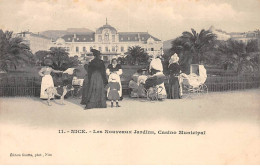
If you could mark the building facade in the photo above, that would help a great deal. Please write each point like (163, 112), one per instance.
(246, 36)
(243, 37)
(109, 42)
(36, 42)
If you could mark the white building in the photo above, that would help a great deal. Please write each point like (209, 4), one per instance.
(245, 37)
(36, 42)
(109, 42)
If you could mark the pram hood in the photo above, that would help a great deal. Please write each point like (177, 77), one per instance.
(194, 79)
(154, 80)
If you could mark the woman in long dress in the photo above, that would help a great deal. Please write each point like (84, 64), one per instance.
(174, 72)
(47, 80)
(117, 69)
(95, 90)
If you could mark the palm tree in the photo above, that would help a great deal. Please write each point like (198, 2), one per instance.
(61, 59)
(13, 51)
(136, 55)
(195, 43)
(237, 54)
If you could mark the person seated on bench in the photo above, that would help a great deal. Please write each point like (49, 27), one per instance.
(138, 79)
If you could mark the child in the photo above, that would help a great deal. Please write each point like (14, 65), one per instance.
(113, 88)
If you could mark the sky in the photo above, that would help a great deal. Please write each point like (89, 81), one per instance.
(164, 19)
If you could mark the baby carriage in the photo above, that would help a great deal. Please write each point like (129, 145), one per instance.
(76, 83)
(193, 84)
(153, 88)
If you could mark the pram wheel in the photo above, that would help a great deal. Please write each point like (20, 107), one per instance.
(203, 89)
(153, 93)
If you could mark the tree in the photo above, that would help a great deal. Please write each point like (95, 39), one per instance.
(40, 55)
(13, 51)
(60, 57)
(195, 44)
(242, 57)
(252, 46)
(136, 55)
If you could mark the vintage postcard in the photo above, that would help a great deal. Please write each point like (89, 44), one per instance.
(129, 82)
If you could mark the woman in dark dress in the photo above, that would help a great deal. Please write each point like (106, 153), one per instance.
(94, 91)
(174, 72)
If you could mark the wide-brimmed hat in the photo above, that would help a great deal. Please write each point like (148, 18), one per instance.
(95, 52)
(48, 61)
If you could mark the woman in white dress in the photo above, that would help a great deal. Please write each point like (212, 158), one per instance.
(156, 70)
(47, 80)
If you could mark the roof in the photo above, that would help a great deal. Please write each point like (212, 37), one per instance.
(33, 34)
(106, 26)
(134, 36)
(89, 37)
(123, 37)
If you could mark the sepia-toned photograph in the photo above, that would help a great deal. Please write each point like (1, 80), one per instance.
(129, 82)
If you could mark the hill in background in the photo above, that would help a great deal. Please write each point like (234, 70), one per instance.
(167, 44)
(55, 34)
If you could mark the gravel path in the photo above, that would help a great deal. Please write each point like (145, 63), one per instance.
(228, 125)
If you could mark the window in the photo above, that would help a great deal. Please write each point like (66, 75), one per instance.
(84, 39)
(77, 49)
(113, 48)
(142, 38)
(91, 39)
(78, 39)
(122, 49)
(128, 38)
(68, 38)
(99, 38)
(135, 38)
(113, 38)
(152, 49)
(90, 48)
(122, 38)
(107, 37)
(84, 48)
(100, 49)
(106, 49)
